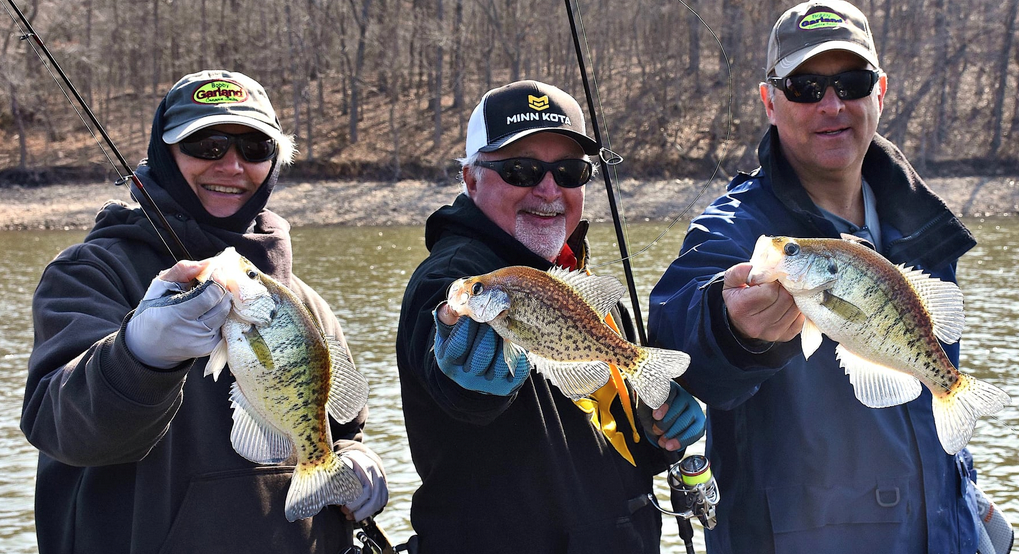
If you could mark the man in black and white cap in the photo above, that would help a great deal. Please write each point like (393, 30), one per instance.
(508, 463)
(803, 465)
(134, 442)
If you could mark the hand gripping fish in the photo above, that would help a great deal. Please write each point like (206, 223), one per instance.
(887, 320)
(555, 318)
(289, 376)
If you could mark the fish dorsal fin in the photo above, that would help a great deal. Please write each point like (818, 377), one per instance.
(252, 436)
(876, 385)
(601, 292)
(348, 389)
(810, 338)
(575, 379)
(942, 300)
(217, 361)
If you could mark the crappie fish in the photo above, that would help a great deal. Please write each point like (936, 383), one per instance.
(556, 319)
(887, 320)
(289, 376)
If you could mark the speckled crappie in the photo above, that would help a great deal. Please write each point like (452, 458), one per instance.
(887, 320)
(556, 319)
(288, 377)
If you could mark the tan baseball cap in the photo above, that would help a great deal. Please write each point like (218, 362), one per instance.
(811, 28)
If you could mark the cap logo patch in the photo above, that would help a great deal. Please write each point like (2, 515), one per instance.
(218, 92)
(537, 103)
(821, 20)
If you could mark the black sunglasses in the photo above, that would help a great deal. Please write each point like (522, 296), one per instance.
(212, 145)
(528, 172)
(808, 89)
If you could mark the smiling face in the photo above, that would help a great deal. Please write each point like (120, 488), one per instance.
(223, 186)
(827, 139)
(540, 217)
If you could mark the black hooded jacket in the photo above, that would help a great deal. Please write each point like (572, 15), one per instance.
(523, 473)
(138, 460)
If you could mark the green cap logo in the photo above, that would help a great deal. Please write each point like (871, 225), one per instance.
(220, 91)
(821, 20)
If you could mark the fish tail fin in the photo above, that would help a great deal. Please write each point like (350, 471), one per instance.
(321, 483)
(956, 412)
(654, 370)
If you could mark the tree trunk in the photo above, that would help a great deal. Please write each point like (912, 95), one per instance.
(693, 66)
(437, 85)
(155, 51)
(998, 114)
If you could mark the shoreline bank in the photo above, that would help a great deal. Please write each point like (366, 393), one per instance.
(379, 203)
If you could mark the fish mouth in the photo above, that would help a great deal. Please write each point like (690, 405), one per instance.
(456, 296)
(765, 262)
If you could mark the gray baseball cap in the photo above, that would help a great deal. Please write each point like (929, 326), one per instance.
(811, 28)
(217, 97)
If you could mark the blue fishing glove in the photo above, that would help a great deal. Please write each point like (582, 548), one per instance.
(684, 420)
(470, 353)
(172, 324)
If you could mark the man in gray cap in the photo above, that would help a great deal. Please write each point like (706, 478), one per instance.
(508, 463)
(802, 465)
(134, 444)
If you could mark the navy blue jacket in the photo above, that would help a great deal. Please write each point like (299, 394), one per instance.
(801, 464)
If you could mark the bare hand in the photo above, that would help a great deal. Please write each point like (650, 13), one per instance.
(764, 311)
(184, 271)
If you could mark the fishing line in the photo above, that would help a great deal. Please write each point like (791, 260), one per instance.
(25, 27)
(25, 35)
(725, 142)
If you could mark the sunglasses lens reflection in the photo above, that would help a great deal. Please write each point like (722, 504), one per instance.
(254, 147)
(848, 85)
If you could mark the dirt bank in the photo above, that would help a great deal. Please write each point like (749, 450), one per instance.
(73, 206)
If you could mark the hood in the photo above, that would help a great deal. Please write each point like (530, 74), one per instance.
(266, 241)
(169, 176)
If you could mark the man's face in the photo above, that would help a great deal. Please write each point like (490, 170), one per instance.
(540, 217)
(828, 138)
(224, 185)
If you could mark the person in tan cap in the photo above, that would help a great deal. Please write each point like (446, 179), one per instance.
(801, 464)
(134, 444)
(508, 462)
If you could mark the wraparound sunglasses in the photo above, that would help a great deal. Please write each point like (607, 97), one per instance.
(808, 89)
(212, 145)
(528, 172)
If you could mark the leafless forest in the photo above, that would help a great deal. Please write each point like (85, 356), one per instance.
(383, 88)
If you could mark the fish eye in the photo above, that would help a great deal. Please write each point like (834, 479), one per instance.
(252, 274)
(791, 249)
(832, 268)
(477, 288)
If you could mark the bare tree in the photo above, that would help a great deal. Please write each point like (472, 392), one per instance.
(997, 113)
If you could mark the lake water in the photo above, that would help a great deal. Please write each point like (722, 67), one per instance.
(362, 272)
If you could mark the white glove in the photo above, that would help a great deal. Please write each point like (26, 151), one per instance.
(172, 325)
(376, 491)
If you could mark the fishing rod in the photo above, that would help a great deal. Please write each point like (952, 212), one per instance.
(606, 158)
(29, 32)
(693, 489)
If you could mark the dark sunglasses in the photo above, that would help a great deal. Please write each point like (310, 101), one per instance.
(212, 145)
(528, 172)
(808, 89)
